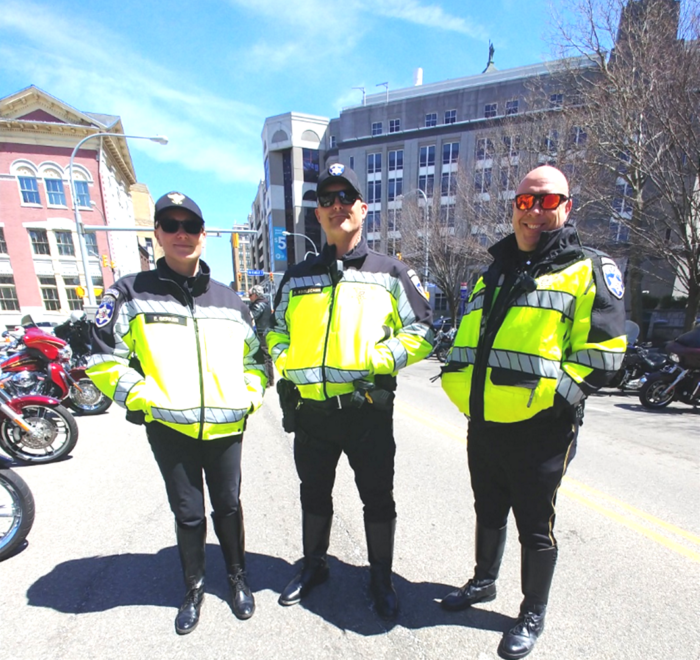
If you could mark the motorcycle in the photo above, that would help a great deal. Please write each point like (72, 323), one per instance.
(34, 427)
(681, 380)
(443, 344)
(84, 396)
(16, 510)
(639, 360)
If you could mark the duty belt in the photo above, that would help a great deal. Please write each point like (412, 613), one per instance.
(337, 402)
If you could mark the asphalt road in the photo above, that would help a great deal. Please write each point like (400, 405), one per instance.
(100, 576)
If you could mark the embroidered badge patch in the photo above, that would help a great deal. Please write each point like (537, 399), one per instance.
(613, 278)
(105, 312)
(336, 169)
(416, 283)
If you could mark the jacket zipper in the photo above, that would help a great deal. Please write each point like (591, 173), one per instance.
(328, 330)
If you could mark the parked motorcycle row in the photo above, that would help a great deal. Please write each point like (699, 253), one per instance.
(40, 375)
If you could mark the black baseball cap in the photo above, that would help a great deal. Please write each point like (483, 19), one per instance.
(177, 200)
(337, 173)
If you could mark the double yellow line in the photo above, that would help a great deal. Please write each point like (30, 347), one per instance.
(679, 540)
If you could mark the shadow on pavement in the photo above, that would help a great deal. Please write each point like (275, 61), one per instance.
(97, 584)
(658, 411)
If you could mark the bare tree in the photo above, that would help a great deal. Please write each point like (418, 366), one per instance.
(637, 101)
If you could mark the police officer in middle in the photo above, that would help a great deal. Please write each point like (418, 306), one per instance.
(345, 322)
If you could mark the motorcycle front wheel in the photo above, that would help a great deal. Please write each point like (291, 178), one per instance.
(652, 393)
(88, 400)
(16, 512)
(54, 434)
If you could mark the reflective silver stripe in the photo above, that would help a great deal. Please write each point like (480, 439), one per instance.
(529, 364)
(559, 301)
(568, 388)
(597, 359)
(398, 351)
(224, 415)
(305, 376)
(345, 375)
(176, 416)
(277, 350)
(310, 280)
(99, 358)
(124, 386)
(477, 302)
(462, 354)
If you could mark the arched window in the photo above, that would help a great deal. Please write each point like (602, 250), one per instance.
(28, 185)
(310, 136)
(53, 180)
(82, 191)
(280, 136)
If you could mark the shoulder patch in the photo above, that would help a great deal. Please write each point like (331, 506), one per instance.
(416, 282)
(105, 311)
(613, 277)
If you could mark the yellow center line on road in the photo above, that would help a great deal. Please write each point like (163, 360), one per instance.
(569, 488)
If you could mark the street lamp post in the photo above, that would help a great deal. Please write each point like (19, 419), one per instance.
(292, 233)
(160, 139)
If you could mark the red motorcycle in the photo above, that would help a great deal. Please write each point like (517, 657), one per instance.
(34, 427)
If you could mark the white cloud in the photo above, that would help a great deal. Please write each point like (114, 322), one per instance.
(75, 62)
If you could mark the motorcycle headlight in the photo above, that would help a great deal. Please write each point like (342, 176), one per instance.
(65, 354)
(674, 358)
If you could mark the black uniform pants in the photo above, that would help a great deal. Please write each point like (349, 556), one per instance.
(183, 461)
(520, 467)
(366, 437)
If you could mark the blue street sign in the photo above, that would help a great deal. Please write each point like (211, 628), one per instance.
(255, 273)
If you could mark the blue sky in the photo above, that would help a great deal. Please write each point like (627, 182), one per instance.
(207, 73)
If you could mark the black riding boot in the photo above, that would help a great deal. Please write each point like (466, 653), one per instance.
(316, 532)
(231, 534)
(380, 549)
(537, 570)
(490, 544)
(191, 543)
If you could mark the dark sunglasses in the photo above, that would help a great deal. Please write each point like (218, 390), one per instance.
(548, 201)
(344, 196)
(172, 226)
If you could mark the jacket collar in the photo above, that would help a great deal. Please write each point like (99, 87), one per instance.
(560, 246)
(196, 285)
(328, 256)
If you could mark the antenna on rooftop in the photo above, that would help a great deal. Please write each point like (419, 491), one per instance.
(362, 89)
(385, 84)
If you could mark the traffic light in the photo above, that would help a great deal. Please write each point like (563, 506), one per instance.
(236, 240)
(112, 264)
(272, 277)
(239, 275)
(399, 257)
(105, 260)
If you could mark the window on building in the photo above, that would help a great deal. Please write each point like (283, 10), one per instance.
(49, 293)
(374, 163)
(427, 156)
(447, 214)
(431, 119)
(334, 144)
(267, 174)
(352, 162)
(373, 222)
(619, 232)
(511, 145)
(394, 188)
(74, 301)
(450, 152)
(40, 241)
(484, 149)
(556, 100)
(482, 179)
(426, 182)
(310, 164)
(91, 244)
(447, 184)
(490, 109)
(509, 178)
(512, 107)
(374, 192)
(29, 188)
(396, 160)
(394, 125)
(8, 294)
(64, 242)
(450, 116)
(3, 244)
(377, 128)
(549, 143)
(55, 192)
(577, 136)
(622, 202)
(82, 192)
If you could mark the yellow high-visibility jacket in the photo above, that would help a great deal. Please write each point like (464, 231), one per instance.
(185, 355)
(337, 321)
(540, 332)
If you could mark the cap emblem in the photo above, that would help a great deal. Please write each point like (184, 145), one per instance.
(336, 169)
(176, 198)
